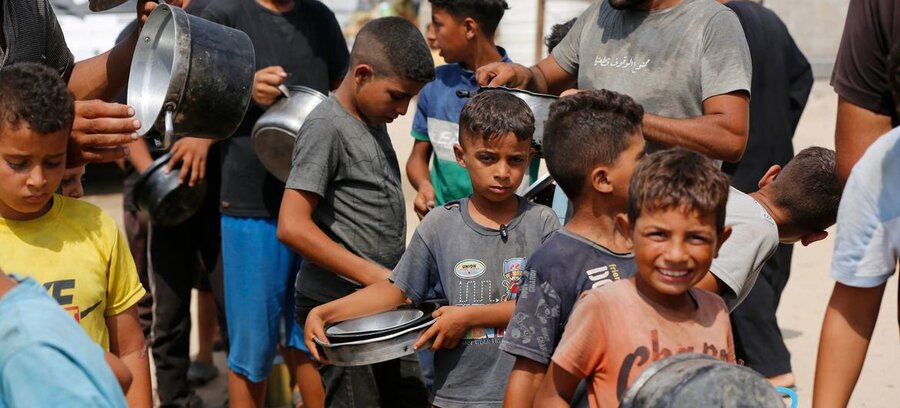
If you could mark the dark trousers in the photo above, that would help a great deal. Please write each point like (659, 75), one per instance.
(137, 228)
(394, 383)
(757, 337)
(177, 255)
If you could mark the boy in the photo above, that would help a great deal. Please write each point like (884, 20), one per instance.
(46, 360)
(70, 246)
(470, 252)
(592, 142)
(463, 31)
(343, 208)
(794, 204)
(676, 217)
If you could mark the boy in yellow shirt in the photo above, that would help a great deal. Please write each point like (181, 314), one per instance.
(71, 247)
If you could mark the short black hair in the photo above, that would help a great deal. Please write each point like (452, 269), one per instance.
(394, 48)
(34, 95)
(495, 113)
(487, 13)
(557, 33)
(678, 179)
(588, 129)
(809, 189)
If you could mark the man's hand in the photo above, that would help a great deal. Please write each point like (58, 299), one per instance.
(314, 328)
(265, 85)
(192, 152)
(503, 74)
(424, 201)
(100, 132)
(450, 325)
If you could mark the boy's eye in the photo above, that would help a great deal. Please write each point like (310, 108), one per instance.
(657, 235)
(53, 164)
(486, 158)
(698, 239)
(517, 160)
(16, 165)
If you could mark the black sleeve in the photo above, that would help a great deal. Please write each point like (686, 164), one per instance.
(801, 80)
(339, 55)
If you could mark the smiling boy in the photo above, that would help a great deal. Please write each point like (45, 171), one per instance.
(676, 217)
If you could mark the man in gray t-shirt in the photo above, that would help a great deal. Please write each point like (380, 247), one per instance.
(467, 264)
(685, 61)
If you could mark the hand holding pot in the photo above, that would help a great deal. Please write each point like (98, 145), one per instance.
(503, 74)
(100, 132)
(314, 329)
(449, 327)
(192, 153)
(265, 85)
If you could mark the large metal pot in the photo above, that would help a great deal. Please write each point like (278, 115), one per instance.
(276, 130)
(190, 76)
(164, 197)
(698, 380)
(539, 104)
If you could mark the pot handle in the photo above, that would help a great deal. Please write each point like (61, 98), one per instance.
(284, 91)
(169, 135)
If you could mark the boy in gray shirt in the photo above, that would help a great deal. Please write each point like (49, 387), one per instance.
(471, 252)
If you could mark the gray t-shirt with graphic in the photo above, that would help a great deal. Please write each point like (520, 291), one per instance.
(354, 169)
(452, 256)
(668, 60)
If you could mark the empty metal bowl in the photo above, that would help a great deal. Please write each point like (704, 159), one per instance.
(374, 323)
(164, 197)
(277, 129)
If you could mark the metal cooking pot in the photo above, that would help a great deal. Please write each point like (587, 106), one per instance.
(190, 76)
(698, 380)
(168, 202)
(539, 104)
(276, 130)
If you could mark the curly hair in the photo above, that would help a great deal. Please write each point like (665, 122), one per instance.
(487, 13)
(585, 130)
(34, 95)
(495, 113)
(394, 48)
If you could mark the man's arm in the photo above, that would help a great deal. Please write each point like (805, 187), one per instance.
(856, 129)
(417, 172)
(547, 76)
(846, 332)
(126, 341)
(297, 230)
(721, 133)
(524, 380)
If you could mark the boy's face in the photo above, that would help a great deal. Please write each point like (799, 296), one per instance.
(71, 182)
(496, 166)
(381, 99)
(31, 170)
(448, 34)
(674, 249)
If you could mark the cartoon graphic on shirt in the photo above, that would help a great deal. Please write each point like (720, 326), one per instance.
(512, 278)
(476, 286)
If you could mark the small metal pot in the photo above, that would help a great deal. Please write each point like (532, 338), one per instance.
(539, 104)
(168, 202)
(277, 129)
(190, 76)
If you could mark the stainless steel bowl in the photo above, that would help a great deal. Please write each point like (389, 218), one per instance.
(378, 322)
(374, 350)
(276, 130)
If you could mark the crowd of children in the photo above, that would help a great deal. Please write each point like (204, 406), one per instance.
(657, 250)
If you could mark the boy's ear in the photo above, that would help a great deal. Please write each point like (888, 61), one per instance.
(723, 236)
(623, 225)
(808, 239)
(770, 175)
(458, 152)
(471, 27)
(362, 73)
(599, 178)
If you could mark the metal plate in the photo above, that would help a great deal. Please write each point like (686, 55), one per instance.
(375, 350)
(375, 323)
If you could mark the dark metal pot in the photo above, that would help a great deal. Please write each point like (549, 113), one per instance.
(190, 76)
(168, 202)
(276, 130)
(539, 104)
(698, 380)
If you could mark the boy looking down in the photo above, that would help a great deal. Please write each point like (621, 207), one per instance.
(343, 207)
(72, 247)
(463, 31)
(470, 252)
(592, 142)
(676, 216)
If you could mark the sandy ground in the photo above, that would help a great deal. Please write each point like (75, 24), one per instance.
(802, 305)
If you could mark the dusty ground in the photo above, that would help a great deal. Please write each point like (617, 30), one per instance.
(803, 303)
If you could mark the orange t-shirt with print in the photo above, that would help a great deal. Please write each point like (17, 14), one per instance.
(614, 333)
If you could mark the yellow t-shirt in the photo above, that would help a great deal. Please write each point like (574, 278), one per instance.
(78, 253)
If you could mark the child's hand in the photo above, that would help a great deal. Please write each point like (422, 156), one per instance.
(450, 326)
(314, 328)
(424, 201)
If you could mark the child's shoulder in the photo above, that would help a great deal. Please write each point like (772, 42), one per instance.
(79, 210)
(708, 300)
(542, 213)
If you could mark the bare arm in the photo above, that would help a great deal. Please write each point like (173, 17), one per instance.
(523, 383)
(454, 321)
(547, 76)
(419, 177)
(846, 332)
(139, 155)
(856, 129)
(557, 388)
(126, 341)
(721, 133)
(297, 230)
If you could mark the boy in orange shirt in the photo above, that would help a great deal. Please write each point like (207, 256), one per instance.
(676, 218)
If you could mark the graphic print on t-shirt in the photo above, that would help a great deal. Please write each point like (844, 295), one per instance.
(475, 287)
(60, 290)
